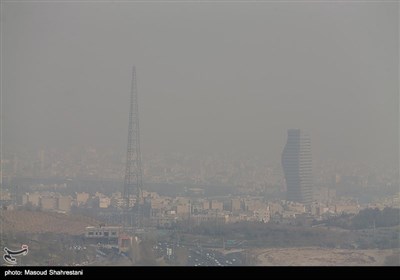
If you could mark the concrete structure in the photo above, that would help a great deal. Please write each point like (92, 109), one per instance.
(108, 232)
(82, 198)
(235, 204)
(64, 203)
(183, 210)
(125, 242)
(48, 203)
(295, 207)
(104, 202)
(217, 219)
(252, 205)
(297, 167)
(217, 205)
(206, 205)
(347, 208)
(117, 202)
(262, 215)
(33, 198)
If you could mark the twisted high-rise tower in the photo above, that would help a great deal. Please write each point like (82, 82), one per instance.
(297, 167)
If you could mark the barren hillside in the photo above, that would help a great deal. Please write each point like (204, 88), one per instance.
(314, 256)
(39, 222)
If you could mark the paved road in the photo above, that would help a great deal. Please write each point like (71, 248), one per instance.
(199, 256)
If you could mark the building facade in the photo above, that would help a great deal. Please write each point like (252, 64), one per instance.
(297, 167)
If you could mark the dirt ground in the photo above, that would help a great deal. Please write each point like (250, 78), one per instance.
(40, 222)
(314, 256)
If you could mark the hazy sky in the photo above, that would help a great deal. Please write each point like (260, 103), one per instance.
(211, 76)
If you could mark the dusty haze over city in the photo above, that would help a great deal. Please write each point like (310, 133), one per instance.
(269, 132)
(212, 77)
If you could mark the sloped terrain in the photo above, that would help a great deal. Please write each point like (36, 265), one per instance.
(315, 256)
(40, 222)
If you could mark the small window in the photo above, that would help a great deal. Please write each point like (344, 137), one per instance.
(90, 233)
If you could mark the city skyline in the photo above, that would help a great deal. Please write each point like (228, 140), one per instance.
(198, 94)
(269, 132)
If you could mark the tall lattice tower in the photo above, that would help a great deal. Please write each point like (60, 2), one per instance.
(133, 172)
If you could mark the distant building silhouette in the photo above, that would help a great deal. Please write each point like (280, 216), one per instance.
(297, 167)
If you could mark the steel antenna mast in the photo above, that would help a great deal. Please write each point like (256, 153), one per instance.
(133, 169)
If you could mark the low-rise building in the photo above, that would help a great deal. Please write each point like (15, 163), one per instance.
(48, 203)
(104, 202)
(108, 232)
(64, 203)
(81, 198)
(217, 205)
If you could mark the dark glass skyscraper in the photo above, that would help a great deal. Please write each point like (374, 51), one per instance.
(297, 167)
